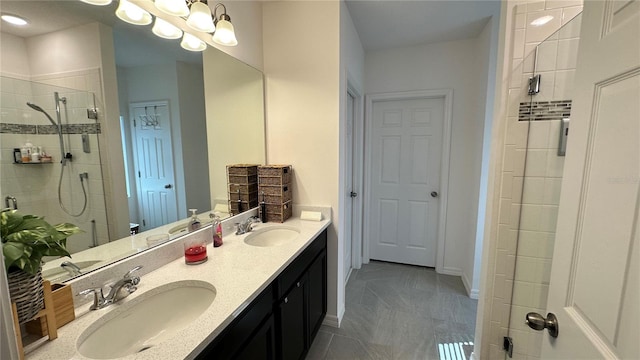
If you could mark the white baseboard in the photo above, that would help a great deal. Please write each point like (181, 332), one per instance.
(450, 271)
(331, 320)
(473, 293)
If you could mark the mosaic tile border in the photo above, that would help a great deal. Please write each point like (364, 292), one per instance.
(6, 128)
(544, 110)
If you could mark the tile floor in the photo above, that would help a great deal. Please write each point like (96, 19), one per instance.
(396, 311)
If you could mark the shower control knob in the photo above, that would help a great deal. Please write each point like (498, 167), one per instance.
(168, 186)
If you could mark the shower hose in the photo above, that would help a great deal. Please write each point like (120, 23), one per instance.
(84, 192)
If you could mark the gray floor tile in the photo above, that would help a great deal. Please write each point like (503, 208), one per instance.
(396, 311)
(346, 348)
(320, 346)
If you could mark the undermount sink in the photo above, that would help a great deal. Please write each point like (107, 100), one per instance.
(146, 321)
(272, 236)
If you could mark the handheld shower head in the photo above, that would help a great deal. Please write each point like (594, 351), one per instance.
(34, 107)
(38, 108)
(58, 126)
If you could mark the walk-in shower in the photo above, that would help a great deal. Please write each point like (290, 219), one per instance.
(542, 90)
(65, 156)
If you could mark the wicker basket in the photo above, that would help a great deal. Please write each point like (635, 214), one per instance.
(27, 292)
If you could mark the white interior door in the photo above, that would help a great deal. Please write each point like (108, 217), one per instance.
(348, 226)
(406, 151)
(154, 164)
(595, 278)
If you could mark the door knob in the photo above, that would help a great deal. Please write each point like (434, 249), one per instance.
(434, 194)
(353, 194)
(168, 186)
(538, 322)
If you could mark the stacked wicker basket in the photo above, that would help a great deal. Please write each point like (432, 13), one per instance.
(243, 187)
(274, 189)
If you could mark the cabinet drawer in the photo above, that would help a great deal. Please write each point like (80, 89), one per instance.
(291, 274)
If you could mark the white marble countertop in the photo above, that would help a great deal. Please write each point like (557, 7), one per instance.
(238, 271)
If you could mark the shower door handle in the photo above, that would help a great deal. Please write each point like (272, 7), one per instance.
(538, 322)
(168, 186)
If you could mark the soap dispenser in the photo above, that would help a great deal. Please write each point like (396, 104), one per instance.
(194, 223)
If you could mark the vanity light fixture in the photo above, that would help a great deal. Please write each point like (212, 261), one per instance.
(196, 14)
(14, 19)
(166, 30)
(225, 34)
(132, 13)
(200, 18)
(192, 43)
(97, 2)
(173, 7)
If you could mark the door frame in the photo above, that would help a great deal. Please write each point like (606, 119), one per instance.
(357, 176)
(447, 94)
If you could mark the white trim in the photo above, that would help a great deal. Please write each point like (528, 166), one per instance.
(450, 271)
(444, 170)
(357, 176)
(333, 321)
(472, 293)
(473, 355)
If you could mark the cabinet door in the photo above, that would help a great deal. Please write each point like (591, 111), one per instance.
(262, 345)
(293, 323)
(317, 285)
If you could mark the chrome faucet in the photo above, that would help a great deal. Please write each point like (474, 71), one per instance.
(247, 225)
(71, 268)
(119, 290)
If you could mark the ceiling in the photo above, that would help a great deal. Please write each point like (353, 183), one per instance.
(383, 24)
(135, 45)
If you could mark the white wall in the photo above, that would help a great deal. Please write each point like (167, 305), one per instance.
(194, 141)
(351, 74)
(234, 96)
(301, 64)
(14, 58)
(436, 66)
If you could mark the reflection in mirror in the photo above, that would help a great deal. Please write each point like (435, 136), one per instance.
(169, 121)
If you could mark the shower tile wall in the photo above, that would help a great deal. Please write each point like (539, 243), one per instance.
(35, 186)
(541, 180)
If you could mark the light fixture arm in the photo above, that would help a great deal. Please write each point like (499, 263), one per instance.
(223, 16)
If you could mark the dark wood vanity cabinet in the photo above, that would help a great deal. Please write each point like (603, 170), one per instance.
(283, 320)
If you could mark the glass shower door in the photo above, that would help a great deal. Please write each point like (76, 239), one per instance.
(543, 117)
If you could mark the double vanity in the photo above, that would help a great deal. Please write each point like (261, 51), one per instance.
(262, 295)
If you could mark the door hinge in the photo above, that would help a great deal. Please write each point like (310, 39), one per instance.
(507, 345)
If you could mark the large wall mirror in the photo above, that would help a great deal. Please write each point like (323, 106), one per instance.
(169, 121)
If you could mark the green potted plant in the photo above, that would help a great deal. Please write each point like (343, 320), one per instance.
(25, 240)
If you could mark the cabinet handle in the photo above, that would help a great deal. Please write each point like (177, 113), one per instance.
(298, 284)
(286, 300)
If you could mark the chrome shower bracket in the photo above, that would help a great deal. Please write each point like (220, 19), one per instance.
(92, 114)
(534, 85)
